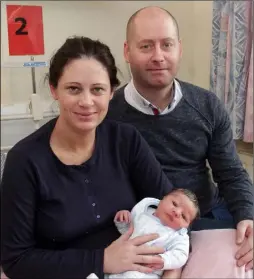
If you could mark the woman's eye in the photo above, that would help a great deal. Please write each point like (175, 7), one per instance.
(73, 89)
(174, 203)
(98, 90)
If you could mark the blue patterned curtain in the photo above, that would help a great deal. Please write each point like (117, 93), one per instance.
(232, 36)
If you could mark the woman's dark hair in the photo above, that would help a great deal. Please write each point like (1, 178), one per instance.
(78, 47)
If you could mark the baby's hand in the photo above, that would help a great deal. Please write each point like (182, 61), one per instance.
(123, 216)
(156, 266)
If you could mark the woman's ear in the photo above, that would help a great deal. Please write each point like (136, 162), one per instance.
(53, 92)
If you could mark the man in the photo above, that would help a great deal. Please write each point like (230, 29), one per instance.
(185, 125)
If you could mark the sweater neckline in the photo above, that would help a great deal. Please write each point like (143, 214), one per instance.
(150, 116)
(91, 161)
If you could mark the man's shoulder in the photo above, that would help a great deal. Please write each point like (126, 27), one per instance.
(118, 95)
(197, 93)
(202, 100)
(120, 90)
(117, 106)
(191, 92)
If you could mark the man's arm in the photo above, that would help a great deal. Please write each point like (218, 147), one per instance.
(228, 172)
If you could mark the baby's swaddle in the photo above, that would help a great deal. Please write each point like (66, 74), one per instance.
(175, 242)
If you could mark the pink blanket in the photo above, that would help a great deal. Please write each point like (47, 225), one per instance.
(212, 256)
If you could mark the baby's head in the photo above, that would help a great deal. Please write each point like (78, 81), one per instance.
(178, 209)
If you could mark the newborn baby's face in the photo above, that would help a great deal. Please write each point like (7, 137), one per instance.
(176, 211)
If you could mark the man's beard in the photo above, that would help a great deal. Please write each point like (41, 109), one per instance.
(145, 81)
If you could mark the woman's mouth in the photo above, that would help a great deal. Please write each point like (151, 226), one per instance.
(85, 115)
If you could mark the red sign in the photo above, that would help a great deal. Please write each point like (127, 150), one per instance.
(25, 30)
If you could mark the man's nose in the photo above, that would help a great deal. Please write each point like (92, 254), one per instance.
(158, 55)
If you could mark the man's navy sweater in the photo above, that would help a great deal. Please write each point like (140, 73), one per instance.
(197, 130)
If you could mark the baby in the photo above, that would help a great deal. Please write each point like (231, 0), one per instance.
(170, 218)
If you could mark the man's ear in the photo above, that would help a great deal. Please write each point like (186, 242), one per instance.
(180, 48)
(126, 51)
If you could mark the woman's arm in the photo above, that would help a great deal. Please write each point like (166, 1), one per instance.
(19, 256)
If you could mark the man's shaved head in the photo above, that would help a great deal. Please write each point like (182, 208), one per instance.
(153, 49)
(148, 10)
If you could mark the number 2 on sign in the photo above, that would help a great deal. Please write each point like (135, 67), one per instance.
(25, 30)
(22, 27)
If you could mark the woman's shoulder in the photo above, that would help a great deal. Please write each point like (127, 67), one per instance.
(111, 126)
(120, 133)
(34, 141)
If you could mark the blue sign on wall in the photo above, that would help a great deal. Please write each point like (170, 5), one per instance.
(35, 64)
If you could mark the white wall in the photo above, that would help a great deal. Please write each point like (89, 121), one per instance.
(104, 20)
(202, 42)
(61, 19)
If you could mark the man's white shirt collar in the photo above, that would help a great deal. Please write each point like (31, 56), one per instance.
(137, 101)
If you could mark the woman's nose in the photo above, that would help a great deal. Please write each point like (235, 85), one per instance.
(85, 99)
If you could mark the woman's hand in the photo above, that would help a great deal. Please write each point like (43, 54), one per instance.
(125, 254)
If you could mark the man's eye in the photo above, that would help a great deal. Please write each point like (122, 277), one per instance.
(184, 217)
(145, 46)
(174, 203)
(168, 44)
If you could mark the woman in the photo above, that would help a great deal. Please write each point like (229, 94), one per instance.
(63, 184)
